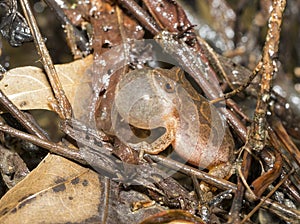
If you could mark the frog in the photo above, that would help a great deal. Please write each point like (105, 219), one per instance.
(150, 98)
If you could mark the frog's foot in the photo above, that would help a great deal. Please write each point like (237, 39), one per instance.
(222, 171)
(141, 147)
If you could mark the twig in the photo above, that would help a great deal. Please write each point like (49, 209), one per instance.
(81, 40)
(257, 135)
(141, 15)
(285, 139)
(274, 207)
(64, 106)
(265, 198)
(52, 147)
(238, 197)
(215, 62)
(241, 87)
(106, 200)
(30, 126)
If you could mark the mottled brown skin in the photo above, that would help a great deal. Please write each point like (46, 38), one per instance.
(174, 104)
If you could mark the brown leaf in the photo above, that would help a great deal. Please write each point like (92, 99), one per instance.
(61, 191)
(57, 191)
(29, 89)
(173, 17)
(173, 216)
(110, 25)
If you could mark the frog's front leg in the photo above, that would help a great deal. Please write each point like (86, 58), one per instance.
(161, 143)
(222, 171)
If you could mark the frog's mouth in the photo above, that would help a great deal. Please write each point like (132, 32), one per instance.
(147, 135)
(134, 135)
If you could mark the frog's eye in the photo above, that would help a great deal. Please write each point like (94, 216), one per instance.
(169, 87)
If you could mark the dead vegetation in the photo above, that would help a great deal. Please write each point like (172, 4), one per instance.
(105, 168)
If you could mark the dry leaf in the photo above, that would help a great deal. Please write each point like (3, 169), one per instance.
(57, 191)
(171, 216)
(27, 87)
(61, 191)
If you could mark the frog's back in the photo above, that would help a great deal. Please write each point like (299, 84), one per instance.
(214, 134)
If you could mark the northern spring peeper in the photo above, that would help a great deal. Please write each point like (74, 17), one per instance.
(150, 98)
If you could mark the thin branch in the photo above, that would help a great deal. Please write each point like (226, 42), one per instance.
(285, 139)
(239, 195)
(141, 15)
(279, 209)
(52, 147)
(268, 196)
(30, 126)
(80, 39)
(257, 134)
(258, 129)
(64, 106)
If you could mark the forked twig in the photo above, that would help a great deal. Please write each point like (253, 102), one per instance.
(258, 129)
(277, 208)
(268, 196)
(21, 117)
(241, 87)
